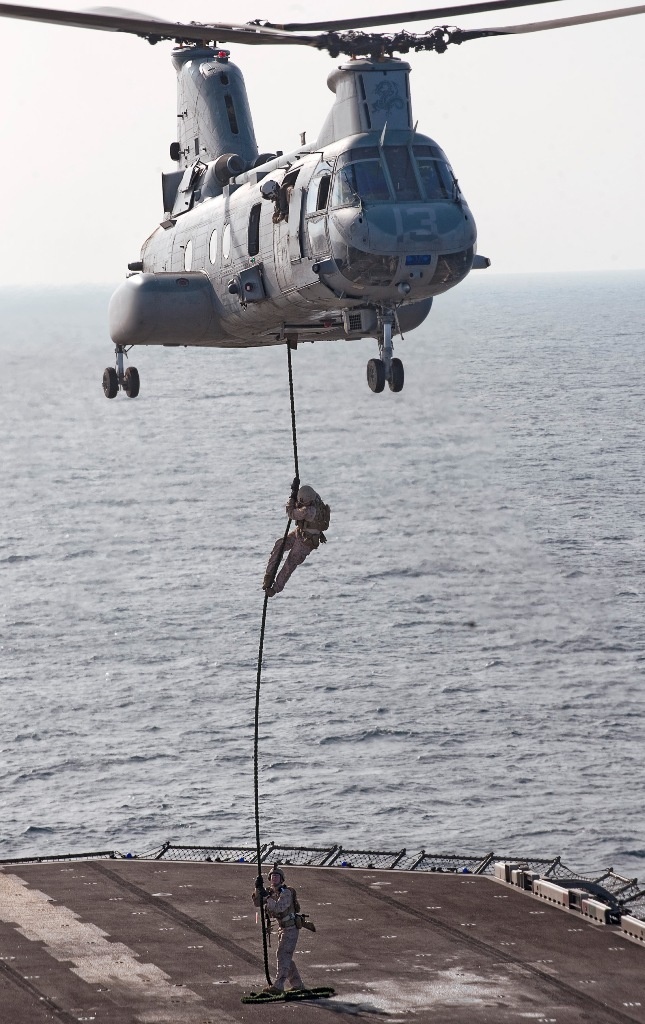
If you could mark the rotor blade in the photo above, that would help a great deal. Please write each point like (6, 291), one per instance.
(541, 26)
(405, 17)
(153, 29)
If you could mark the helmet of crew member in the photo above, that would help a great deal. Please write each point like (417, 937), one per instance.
(306, 495)
(277, 871)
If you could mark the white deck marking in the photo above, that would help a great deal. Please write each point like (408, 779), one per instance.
(95, 958)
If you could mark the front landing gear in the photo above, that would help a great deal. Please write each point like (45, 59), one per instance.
(113, 379)
(375, 375)
(386, 368)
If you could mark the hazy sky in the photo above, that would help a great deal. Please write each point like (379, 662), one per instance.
(545, 133)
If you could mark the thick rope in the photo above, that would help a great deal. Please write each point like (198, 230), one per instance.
(256, 787)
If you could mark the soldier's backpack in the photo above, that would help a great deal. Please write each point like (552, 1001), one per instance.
(323, 515)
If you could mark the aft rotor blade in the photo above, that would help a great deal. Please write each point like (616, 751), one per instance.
(405, 17)
(541, 26)
(153, 29)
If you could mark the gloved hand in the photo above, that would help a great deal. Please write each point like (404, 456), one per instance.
(295, 487)
(259, 888)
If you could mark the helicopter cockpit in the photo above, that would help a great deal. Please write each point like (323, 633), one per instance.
(393, 219)
(393, 173)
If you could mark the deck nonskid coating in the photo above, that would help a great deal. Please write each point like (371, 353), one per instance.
(168, 943)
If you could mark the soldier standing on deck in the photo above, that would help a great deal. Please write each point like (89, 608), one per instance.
(312, 517)
(281, 904)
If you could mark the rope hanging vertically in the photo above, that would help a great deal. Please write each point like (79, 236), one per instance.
(256, 788)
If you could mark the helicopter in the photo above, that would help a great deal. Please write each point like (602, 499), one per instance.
(346, 237)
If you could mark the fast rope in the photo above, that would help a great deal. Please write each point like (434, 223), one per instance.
(256, 793)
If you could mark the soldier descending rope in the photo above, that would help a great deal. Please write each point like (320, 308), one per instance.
(312, 517)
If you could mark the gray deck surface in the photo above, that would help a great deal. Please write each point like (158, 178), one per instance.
(151, 942)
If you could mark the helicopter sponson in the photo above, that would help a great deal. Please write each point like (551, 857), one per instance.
(348, 237)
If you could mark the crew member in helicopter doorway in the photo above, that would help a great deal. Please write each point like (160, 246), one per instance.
(311, 516)
(281, 904)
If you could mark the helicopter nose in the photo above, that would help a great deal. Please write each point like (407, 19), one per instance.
(420, 227)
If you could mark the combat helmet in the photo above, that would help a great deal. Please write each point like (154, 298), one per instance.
(306, 494)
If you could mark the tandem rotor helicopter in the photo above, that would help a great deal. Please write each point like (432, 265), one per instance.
(349, 236)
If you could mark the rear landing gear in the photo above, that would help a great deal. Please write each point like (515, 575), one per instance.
(386, 368)
(113, 379)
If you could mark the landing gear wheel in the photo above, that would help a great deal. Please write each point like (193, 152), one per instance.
(376, 375)
(396, 376)
(110, 382)
(131, 382)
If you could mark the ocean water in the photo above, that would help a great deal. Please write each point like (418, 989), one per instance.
(461, 668)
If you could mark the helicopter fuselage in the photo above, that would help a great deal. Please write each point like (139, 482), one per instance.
(320, 243)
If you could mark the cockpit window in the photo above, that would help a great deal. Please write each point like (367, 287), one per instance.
(417, 174)
(360, 181)
(401, 168)
(365, 153)
(433, 151)
(436, 176)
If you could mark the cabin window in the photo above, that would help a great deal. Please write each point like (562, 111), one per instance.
(323, 192)
(188, 256)
(212, 246)
(226, 242)
(254, 229)
(232, 117)
(318, 191)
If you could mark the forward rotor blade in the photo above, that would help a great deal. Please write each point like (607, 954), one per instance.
(153, 29)
(405, 17)
(542, 26)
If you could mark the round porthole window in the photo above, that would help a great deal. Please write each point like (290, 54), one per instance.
(212, 246)
(226, 242)
(188, 256)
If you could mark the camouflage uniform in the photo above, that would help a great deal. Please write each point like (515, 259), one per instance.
(280, 907)
(299, 543)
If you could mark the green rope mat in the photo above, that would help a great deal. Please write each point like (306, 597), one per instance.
(287, 997)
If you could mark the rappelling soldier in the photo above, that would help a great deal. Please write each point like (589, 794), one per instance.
(281, 905)
(311, 516)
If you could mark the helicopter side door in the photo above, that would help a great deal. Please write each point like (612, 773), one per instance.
(285, 227)
(291, 243)
(315, 236)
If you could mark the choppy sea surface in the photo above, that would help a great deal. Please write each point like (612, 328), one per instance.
(461, 668)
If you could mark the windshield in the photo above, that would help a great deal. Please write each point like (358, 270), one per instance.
(401, 168)
(438, 180)
(393, 173)
(360, 181)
